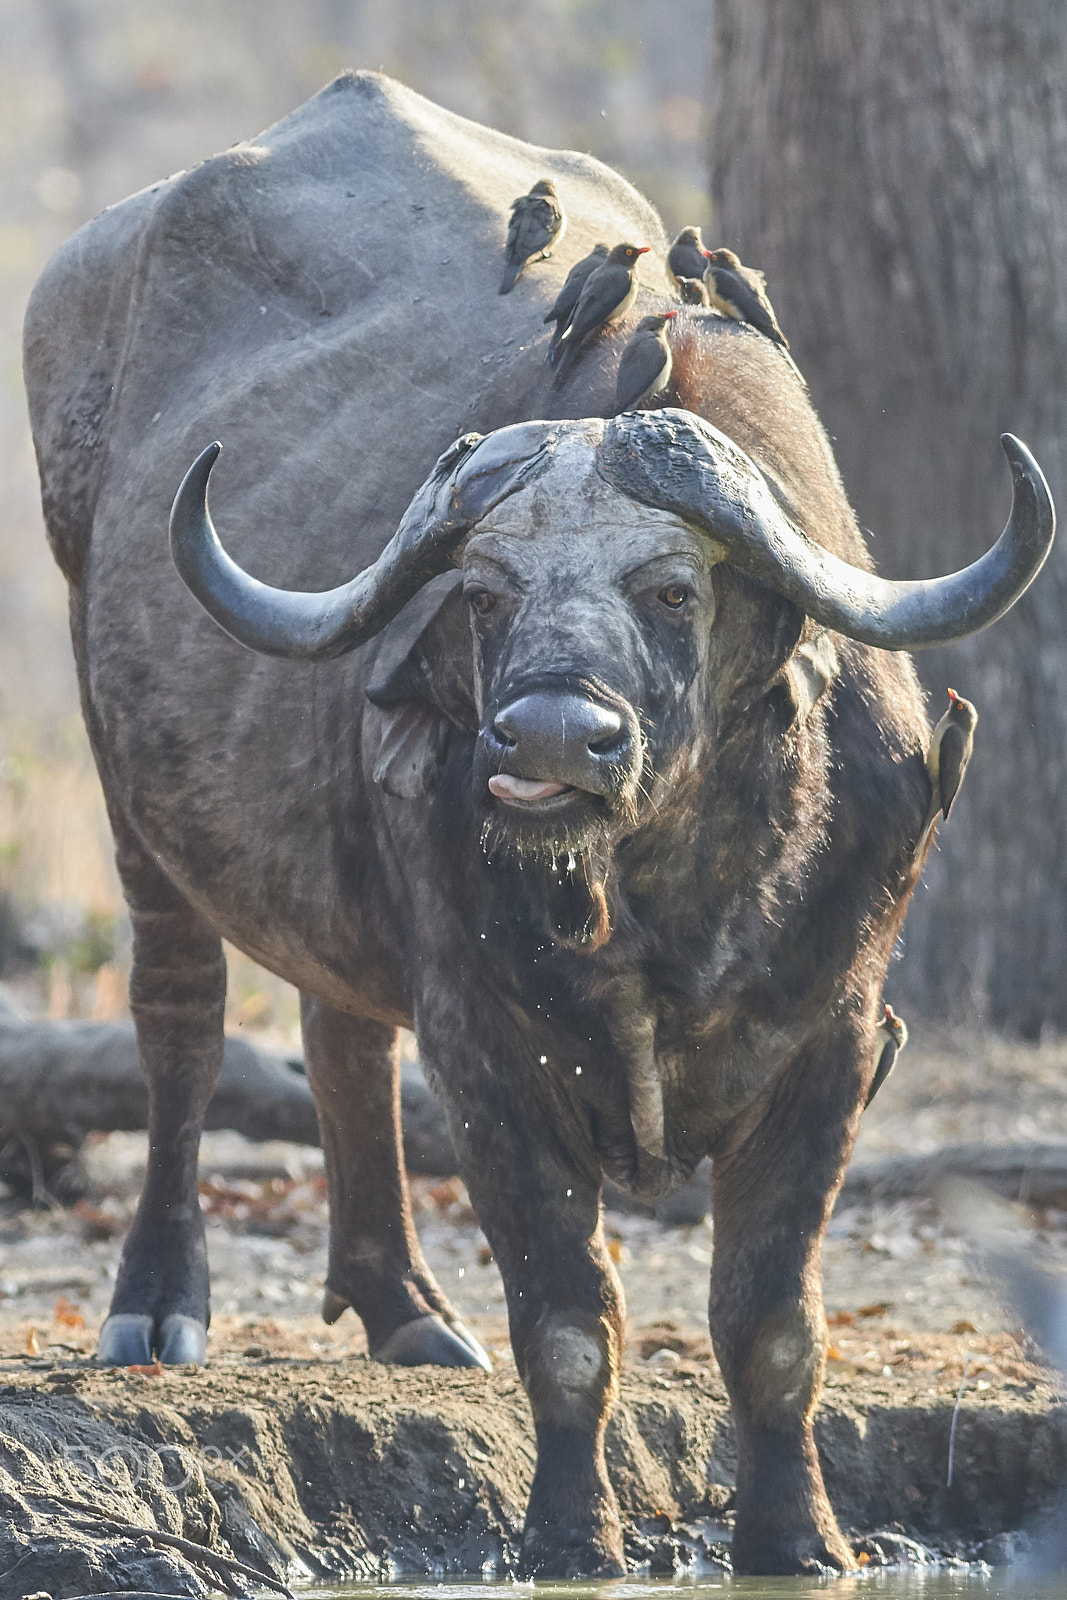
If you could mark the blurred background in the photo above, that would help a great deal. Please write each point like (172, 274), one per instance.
(900, 172)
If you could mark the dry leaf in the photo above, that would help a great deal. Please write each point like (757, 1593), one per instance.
(67, 1314)
(963, 1326)
(32, 1346)
(877, 1309)
(841, 1319)
(153, 1371)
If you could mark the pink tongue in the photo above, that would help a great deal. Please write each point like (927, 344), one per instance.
(506, 787)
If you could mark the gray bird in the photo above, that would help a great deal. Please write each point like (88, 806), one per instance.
(563, 310)
(537, 223)
(892, 1037)
(607, 295)
(687, 257)
(691, 292)
(951, 746)
(645, 368)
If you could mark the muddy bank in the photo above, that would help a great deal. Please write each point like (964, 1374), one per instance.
(322, 1468)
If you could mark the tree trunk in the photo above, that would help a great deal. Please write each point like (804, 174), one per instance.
(899, 170)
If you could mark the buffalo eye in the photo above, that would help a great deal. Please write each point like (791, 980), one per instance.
(481, 602)
(674, 596)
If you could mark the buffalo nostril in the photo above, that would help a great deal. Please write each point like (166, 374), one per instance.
(604, 742)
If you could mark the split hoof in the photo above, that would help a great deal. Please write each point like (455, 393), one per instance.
(131, 1339)
(432, 1342)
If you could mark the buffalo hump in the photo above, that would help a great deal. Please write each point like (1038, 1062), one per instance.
(321, 298)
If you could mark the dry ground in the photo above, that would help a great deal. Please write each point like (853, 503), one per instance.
(901, 1288)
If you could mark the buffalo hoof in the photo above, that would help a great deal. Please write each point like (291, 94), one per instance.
(129, 1339)
(432, 1342)
(550, 1553)
(810, 1555)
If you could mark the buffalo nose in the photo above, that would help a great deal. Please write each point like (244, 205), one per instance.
(549, 728)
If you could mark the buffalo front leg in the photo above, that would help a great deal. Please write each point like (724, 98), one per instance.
(160, 1305)
(375, 1263)
(771, 1201)
(565, 1308)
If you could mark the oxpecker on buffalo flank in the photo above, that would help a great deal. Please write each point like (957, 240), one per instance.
(951, 747)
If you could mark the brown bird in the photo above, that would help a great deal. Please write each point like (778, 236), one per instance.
(892, 1037)
(607, 294)
(563, 310)
(687, 257)
(691, 292)
(537, 223)
(740, 292)
(951, 746)
(645, 368)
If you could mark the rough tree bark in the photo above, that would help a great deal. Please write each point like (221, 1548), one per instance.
(899, 170)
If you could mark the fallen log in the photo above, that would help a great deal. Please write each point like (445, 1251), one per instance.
(1031, 1174)
(60, 1081)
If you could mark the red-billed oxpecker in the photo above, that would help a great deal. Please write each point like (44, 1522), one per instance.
(691, 292)
(537, 223)
(892, 1034)
(645, 368)
(606, 297)
(688, 257)
(740, 292)
(563, 309)
(951, 747)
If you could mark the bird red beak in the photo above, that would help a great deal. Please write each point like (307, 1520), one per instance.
(669, 314)
(706, 254)
(953, 696)
(645, 248)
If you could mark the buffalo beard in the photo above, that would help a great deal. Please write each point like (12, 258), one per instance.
(573, 874)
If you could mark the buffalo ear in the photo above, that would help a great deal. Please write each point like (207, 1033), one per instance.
(808, 673)
(422, 688)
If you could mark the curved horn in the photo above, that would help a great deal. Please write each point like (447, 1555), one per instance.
(676, 461)
(468, 480)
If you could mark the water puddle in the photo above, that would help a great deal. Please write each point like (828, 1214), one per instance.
(971, 1583)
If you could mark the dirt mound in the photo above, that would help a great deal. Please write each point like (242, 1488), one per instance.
(287, 1467)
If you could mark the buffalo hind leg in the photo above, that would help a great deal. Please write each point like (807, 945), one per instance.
(375, 1263)
(160, 1305)
(565, 1308)
(771, 1202)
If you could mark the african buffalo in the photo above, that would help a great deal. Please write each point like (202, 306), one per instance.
(600, 772)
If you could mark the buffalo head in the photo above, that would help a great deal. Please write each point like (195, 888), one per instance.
(588, 555)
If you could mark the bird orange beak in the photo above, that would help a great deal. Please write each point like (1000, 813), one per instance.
(645, 248)
(953, 696)
(669, 314)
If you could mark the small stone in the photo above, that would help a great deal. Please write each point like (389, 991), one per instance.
(255, 1352)
(663, 1358)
